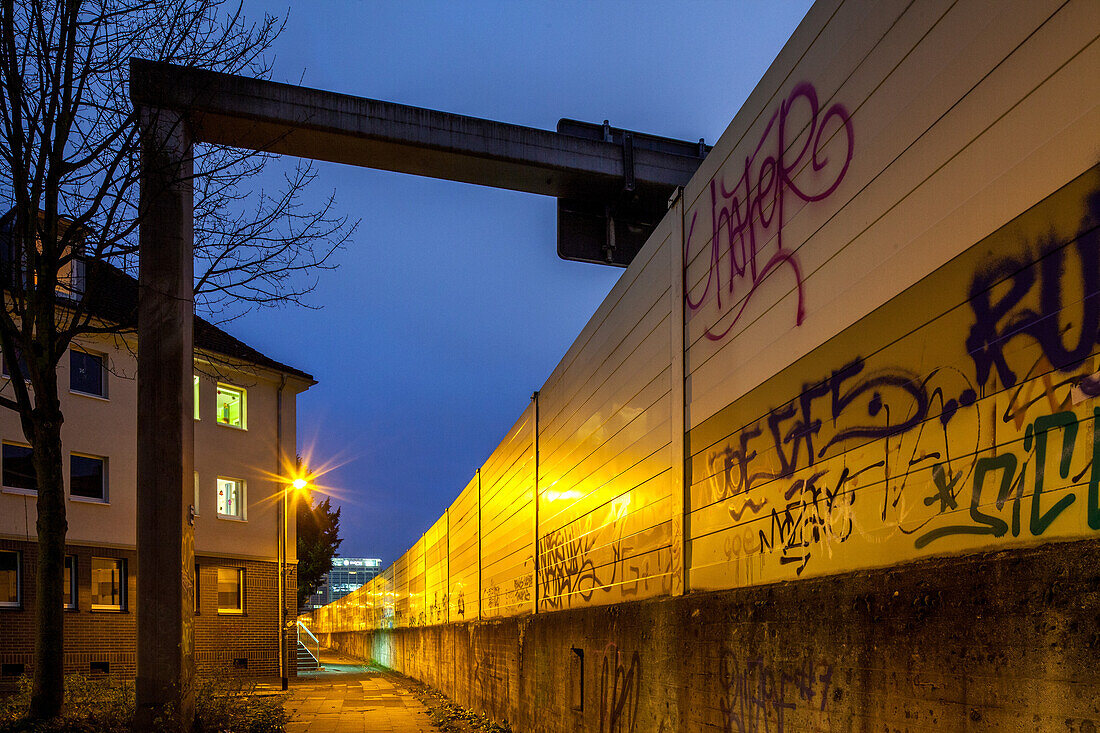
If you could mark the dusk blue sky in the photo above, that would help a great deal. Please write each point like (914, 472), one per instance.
(450, 306)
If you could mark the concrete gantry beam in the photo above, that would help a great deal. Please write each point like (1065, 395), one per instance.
(611, 186)
(310, 123)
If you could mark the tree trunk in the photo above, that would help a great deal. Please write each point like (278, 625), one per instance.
(48, 690)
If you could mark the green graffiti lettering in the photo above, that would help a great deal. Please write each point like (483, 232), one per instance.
(1094, 481)
(987, 524)
(1067, 421)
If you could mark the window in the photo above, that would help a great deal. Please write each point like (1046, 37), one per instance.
(87, 477)
(230, 590)
(11, 579)
(70, 581)
(230, 498)
(22, 367)
(87, 373)
(108, 584)
(197, 595)
(18, 467)
(196, 396)
(196, 504)
(231, 406)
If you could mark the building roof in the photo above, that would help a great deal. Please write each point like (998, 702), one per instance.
(114, 298)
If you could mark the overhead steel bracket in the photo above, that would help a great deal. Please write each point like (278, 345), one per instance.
(610, 227)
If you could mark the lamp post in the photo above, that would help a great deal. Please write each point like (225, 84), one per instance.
(298, 484)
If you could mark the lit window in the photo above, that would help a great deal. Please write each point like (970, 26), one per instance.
(196, 396)
(88, 477)
(87, 373)
(108, 584)
(230, 590)
(69, 589)
(11, 572)
(231, 405)
(18, 468)
(231, 498)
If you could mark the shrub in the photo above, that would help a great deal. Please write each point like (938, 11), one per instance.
(106, 705)
(233, 704)
(92, 705)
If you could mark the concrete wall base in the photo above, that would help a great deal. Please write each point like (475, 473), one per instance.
(1002, 641)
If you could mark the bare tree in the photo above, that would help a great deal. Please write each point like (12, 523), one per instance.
(69, 141)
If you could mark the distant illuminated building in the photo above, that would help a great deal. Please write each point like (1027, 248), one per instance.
(347, 574)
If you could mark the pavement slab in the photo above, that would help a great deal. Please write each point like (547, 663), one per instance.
(347, 696)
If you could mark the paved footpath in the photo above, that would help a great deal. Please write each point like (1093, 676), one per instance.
(350, 697)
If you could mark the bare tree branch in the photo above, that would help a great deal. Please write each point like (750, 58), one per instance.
(69, 203)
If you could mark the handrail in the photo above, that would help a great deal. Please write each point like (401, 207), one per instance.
(316, 642)
(305, 628)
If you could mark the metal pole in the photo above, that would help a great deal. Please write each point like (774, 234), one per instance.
(479, 544)
(282, 593)
(535, 448)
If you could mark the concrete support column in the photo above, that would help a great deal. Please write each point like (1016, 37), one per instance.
(165, 450)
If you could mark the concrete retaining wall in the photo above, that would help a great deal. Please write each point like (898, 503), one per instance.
(998, 642)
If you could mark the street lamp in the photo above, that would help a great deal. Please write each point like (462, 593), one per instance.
(298, 484)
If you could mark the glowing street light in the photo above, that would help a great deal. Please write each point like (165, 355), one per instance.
(297, 485)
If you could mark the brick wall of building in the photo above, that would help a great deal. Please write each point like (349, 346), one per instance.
(221, 641)
(993, 642)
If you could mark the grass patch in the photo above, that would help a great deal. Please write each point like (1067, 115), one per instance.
(106, 705)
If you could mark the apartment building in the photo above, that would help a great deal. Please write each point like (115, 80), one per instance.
(244, 442)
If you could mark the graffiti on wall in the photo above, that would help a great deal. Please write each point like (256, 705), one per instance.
(987, 430)
(510, 593)
(748, 213)
(600, 556)
(758, 694)
(489, 679)
(620, 681)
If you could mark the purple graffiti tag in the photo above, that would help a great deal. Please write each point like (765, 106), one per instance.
(747, 219)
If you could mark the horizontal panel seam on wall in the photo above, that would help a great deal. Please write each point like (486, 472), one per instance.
(656, 499)
(660, 466)
(660, 429)
(646, 362)
(865, 314)
(832, 98)
(617, 354)
(503, 462)
(596, 361)
(961, 305)
(973, 141)
(606, 308)
(567, 459)
(617, 477)
(856, 195)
